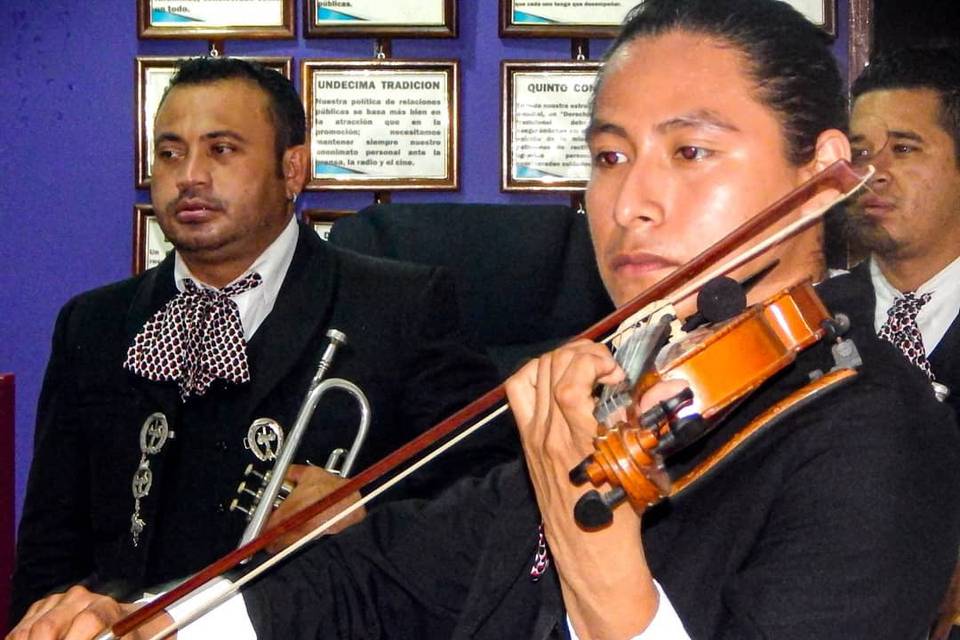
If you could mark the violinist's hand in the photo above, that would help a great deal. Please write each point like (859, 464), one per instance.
(79, 614)
(949, 609)
(311, 484)
(600, 571)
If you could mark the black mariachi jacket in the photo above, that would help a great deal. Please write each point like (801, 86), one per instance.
(405, 351)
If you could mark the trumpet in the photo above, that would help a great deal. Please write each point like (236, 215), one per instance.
(273, 487)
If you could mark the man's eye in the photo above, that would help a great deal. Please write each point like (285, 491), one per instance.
(609, 158)
(859, 155)
(166, 154)
(222, 149)
(691, 152)
(903, 148)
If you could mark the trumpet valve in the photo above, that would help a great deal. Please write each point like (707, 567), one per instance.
(250, 471)
(235, 506)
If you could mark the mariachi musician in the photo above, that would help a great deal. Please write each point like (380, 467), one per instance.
(839, 520)
(162, 390)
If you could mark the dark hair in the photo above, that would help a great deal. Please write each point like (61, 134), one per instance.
(285, 108)
(793, 70)
(934, 68)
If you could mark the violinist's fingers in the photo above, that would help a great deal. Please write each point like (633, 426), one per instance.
(97, 616)
(521, 390)
(43, 605)
(56, 616)
(573, 391)
(312, 484)
(663, 390)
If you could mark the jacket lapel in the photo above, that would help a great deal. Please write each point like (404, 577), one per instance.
(156, 289)
(862, 299)
(302, 309)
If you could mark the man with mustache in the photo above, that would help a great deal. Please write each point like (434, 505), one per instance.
(906, 123)
(144, 426)
(706, 111)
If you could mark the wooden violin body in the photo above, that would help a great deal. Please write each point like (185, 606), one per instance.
(721, 365)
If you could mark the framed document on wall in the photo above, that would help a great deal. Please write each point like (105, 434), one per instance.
(563, 18)
(382, 124)
(150, 246)
(602, 18)
(380, 19)
(822, 13)
(153, 76)
(321, 220)
(545, 110)
(214, 19)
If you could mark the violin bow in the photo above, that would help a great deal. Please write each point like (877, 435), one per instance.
(685, 280)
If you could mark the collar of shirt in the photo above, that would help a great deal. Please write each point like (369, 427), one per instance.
(937, 315)
(256, 304)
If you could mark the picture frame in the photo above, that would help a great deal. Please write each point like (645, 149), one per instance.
(378, 19)
(602, 18)
(562, 19)
(215, 19)
(150, 246)
(382, 124)
(536, 153)
(822, 13)
(321, 220)
(153, 74)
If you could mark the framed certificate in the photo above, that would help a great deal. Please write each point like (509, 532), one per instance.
(379, 19)
(153, 76)
(822, 13)
(321, 220)
(545, 111)
(215, 19)
(382, 124)
(563, 18)
(602, 18)
(150, 246)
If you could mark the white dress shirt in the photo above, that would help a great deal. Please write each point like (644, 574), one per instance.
(230, 620)
(257, 303)
(936, 316)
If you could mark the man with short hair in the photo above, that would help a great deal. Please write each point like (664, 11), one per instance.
(906, 123)
(157, 387)
(706, 112)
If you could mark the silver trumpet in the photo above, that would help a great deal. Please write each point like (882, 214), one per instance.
(340, 461)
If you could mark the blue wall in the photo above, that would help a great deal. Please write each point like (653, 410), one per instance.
(66, 152)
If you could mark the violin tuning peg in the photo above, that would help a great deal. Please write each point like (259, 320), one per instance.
(594, 510)
(683, 432)
(578, 475)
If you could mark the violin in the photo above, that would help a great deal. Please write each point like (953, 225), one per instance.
(721, 364)
(839, 181)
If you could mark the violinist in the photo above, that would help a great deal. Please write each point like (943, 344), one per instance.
(840, 521)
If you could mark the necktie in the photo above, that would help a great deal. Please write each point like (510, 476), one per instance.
(901, 329)
(194, 339)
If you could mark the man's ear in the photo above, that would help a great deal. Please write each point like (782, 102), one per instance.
(295, 162)
(832, 145)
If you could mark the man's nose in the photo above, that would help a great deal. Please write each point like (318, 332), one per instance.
(638, 200)
(194, 170)
(881, 162)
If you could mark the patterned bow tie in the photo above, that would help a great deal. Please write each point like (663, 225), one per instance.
(901, 329)
(194, 339)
